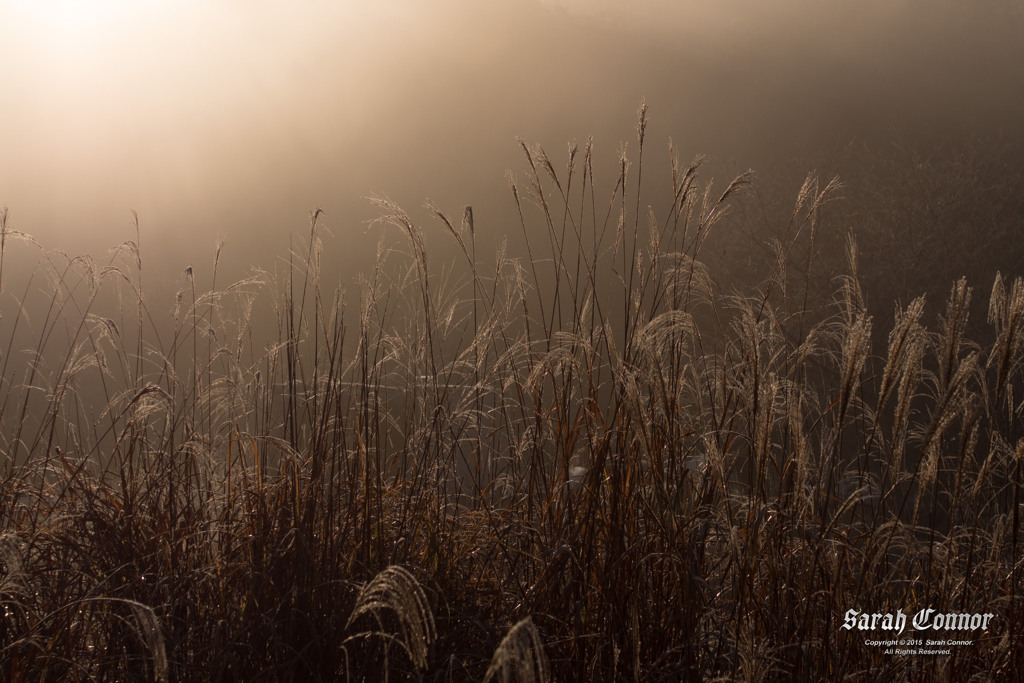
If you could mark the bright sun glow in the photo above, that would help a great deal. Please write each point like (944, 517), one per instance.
(63, 26)
(72, 16)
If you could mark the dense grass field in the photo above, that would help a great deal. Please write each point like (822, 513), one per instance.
(593, 461)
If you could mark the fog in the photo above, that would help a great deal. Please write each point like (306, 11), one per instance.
(228, 120)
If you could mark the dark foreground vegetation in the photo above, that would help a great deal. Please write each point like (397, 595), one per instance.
(591, 462)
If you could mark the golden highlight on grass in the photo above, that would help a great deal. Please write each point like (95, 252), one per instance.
(519, 657)
(395, 589)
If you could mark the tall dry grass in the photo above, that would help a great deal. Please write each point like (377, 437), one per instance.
(587, 462)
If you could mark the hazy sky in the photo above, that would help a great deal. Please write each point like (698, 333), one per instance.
(233, 119)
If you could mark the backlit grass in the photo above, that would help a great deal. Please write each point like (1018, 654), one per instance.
(585, 462)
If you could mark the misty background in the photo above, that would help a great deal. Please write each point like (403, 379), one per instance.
(222, 120)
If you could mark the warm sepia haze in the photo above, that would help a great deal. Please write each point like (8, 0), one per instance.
(747, 434)
(233, 120)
